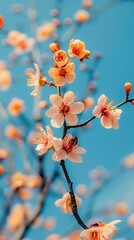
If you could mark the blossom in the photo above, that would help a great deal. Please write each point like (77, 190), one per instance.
(1, 22)
(16, 106)
(16, 217)
(109, 115)
(66, 204)
(100, 231)
(82, 16)
(18, 180)
(5, 79)
(20, 41)
(63, 74)
(35, 79)
(60, 57)
(43, 139)
(45, 31)
(67, 148)
(77, 49)
(128, 161)
(12, 132)
(64, 109)
(2, 169)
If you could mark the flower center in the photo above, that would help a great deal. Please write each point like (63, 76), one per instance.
(64, 109)
(60, 57)
(70, 144)
(76, 50)
(106, 112)
(62, 72)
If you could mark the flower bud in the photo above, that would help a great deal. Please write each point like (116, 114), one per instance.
(127, 87)
(54, 47)
(1, 22)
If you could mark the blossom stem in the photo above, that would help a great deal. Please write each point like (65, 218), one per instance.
(71, 192)
(69, 182)
(93, 117)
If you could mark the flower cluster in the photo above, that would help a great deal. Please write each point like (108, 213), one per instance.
(63, 113)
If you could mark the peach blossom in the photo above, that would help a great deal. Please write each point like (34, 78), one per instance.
(121, 208)
(43, 104)
(54, 47)
(2, 169)
(88, 102)
(4, 153)
(34, 181)
(45, 31)
(16, 106)
(60, 57)
(108, 114)
(131, 220)
(43, 139)
(35, 79)
(5, 80)
(12, 132)
(63, 74)
(87, 3)
(64, 109)
(65, 203)
(49, 223)
(20, 41)
(24, 44)
(18, 180)
(76, 48)
(67, 148)
(82, 16)
(16, 217)
(128, 161)
(100, 231)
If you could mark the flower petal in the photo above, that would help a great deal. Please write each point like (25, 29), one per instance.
(68, 98)
(102, 100)
(97, 112)
(59, 155)
(55, 99)
(57, 120)
(52, 111)
(74, 157)
(71, 118)
(106, 122)
(76, 107)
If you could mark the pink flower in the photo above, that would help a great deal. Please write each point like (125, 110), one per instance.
(100, 231)
(67, 148)
(63, 74)
(43, 139)
(64, 109)
(66, 204)
(35, 79)
(108, 114)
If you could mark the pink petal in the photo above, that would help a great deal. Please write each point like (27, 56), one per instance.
(70, 77)
(74, 157)
(79, 150)
(52, 111)
(57, 120)
(106, 122)
(115, 123)
(49, 131)
(57, 143)
(68, 98)
(67, 138)
(60, 81)
(76, 107)
(55, 99)
(85, 233)
(59, 155)
(102, 100)
(59, 202)
(71, 118)
(43, 151)
(97, 112)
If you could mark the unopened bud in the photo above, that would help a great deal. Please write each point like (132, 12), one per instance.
(127, 87)
(132, 102)
(43, 81)
(87, 54)
(54, 47)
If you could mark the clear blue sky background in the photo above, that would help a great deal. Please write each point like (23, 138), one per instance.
(112, 33)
